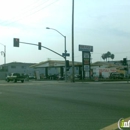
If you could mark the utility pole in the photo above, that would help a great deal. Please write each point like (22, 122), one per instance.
(73, 73)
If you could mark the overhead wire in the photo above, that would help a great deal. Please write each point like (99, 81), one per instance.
(32, 12)
(22, 11)
(102, 53)
(114, 53)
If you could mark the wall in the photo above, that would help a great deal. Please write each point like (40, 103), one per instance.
(22, 68)
(3, 75)
(102, 70)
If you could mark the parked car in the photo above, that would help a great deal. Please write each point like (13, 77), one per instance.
(15, 77)
(32, 77)
(116, 76)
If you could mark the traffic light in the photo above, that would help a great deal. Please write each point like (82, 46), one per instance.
(124, 61)
(16, 42)
(67, 65)
(39, 45)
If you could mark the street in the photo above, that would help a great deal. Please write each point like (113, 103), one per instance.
(41, 105)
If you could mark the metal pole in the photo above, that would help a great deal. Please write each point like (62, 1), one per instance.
(43, 47)
(72, 40)
(65, 49)
(4, 54)
(65, 60)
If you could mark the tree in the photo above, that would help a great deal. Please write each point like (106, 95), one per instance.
(107, 55)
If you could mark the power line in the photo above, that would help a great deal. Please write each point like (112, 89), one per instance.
(21, 12)
(114, 53)
(33, 12)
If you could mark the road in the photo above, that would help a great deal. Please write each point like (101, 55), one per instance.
(40, 105)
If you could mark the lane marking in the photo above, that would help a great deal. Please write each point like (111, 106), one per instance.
(114, 126)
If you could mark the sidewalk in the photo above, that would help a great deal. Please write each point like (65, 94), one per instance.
(80, 82)
(107, 82)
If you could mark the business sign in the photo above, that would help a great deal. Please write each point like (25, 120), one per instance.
(86, 48)
(86, 55)
(86, 61)
(110, 70)
(86, 68)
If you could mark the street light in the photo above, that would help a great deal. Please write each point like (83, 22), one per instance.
(4, 52)
(65, 48)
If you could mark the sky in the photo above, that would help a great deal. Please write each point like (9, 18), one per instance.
(103, 24)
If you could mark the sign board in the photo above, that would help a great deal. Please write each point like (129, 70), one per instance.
(86, 55)
(86, 61)
(86, 68)
(86, 48)
(67, 54)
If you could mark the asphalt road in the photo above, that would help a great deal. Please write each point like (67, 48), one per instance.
(43, 105)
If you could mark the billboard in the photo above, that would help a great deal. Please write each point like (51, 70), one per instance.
(86, 48)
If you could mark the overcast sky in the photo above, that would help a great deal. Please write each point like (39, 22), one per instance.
(103, 24)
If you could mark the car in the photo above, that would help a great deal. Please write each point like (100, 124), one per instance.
(31, 77)
(15, 77)
(116, 76)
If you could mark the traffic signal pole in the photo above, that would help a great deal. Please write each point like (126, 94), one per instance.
(17, 41)
(65, 60)
(43, 47)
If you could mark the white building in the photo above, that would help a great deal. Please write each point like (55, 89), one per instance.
(104, 69)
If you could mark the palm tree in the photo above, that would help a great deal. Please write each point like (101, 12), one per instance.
(107, 55)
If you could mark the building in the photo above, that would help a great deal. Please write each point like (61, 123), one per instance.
(17, 67)
(56, 67)
(104, 69)
(40, 70)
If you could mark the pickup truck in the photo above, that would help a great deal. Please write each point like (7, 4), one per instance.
(15, 77)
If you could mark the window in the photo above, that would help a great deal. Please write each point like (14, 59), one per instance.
(22, 67)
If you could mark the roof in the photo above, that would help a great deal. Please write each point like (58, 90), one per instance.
(98, 63)
(108, 64)
(17, 63)
(52, 63)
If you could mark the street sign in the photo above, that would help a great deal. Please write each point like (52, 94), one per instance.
(67, 54)
(86, 48)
